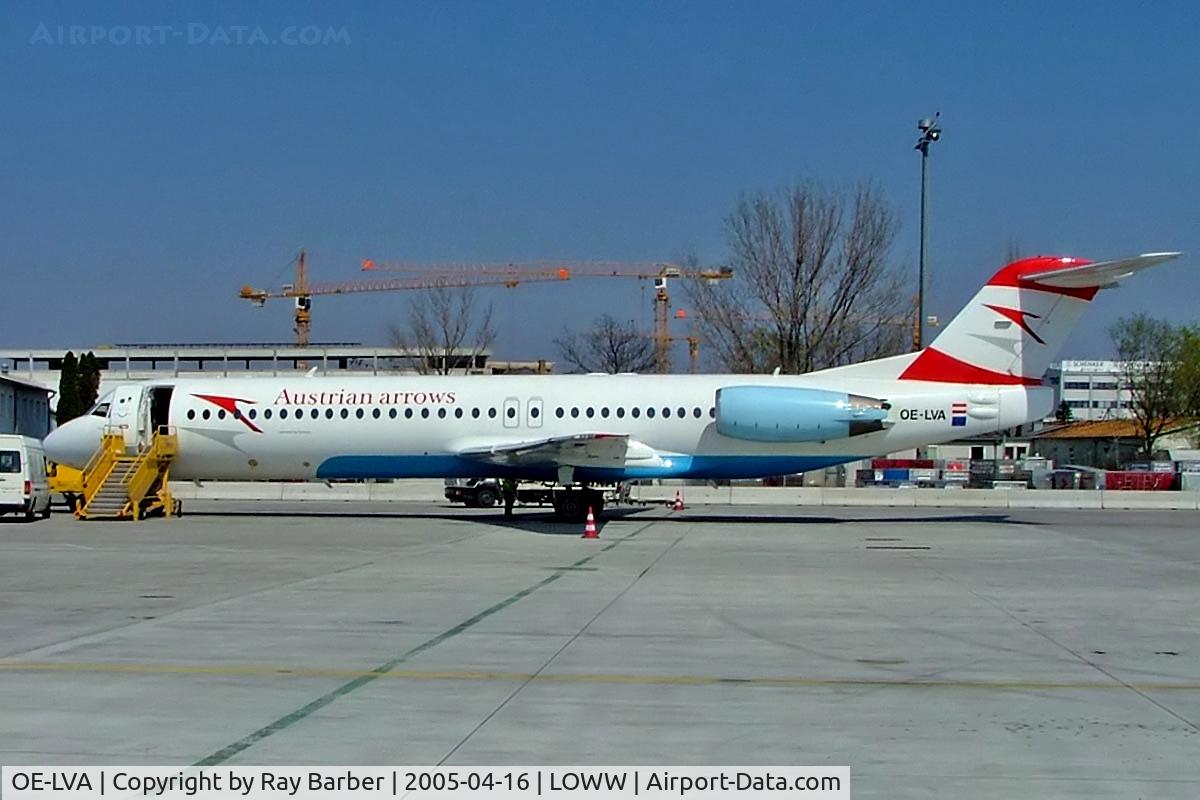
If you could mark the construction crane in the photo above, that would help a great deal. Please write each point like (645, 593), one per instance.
(659, 272)
(303, 292)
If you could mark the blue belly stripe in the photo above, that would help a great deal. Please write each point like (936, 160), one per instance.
(452, 466)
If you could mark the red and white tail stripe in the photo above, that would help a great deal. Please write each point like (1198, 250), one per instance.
(1017, 324)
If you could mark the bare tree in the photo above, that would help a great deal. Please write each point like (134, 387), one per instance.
(1160, 363)
(812, 286)
(608, 346)
(446, 330)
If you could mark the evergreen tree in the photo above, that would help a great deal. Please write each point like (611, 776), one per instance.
(68, 390)
(88, 381)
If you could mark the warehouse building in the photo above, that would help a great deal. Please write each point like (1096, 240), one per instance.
(1109, 444)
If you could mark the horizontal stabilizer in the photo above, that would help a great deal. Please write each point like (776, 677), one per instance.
(1101, 273)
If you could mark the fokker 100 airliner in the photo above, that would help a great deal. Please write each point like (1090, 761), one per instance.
(983, 373)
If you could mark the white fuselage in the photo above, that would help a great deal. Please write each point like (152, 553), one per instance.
(418, 426)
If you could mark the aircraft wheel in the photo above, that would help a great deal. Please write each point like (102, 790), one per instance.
(570, 506)
(485, 498)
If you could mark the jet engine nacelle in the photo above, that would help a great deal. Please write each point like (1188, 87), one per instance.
(784, 414)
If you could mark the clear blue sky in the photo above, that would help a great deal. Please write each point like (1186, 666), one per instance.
(144, 183)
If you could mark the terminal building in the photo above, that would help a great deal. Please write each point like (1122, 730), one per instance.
(144, 362)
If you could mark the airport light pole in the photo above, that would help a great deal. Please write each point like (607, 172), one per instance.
(930, 133)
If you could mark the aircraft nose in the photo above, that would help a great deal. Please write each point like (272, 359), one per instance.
(74, 442)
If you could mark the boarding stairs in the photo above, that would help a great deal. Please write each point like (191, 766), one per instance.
(124, 483)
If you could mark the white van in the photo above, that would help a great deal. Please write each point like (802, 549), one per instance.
(23, 485)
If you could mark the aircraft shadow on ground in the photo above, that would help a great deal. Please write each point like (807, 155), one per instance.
(535, 519)
(532, 519)
(824, 519)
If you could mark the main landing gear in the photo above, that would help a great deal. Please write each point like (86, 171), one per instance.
(571, 505)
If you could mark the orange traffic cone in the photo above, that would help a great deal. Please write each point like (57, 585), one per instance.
(589, 530)
(678, 502)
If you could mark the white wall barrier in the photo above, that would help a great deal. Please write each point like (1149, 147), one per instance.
(430, 491)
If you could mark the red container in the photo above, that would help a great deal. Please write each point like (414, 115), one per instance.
(1139, 481)
(902, 463)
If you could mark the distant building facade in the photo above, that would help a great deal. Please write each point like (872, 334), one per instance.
(1093, 390)
(24, 407)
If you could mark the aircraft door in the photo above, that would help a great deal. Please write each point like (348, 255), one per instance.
(534, 410)
(131, 414)
(160, 408)
(512, 412)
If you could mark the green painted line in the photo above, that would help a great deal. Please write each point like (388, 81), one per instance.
(290, 719)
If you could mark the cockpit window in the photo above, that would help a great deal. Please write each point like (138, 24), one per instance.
(102, 406)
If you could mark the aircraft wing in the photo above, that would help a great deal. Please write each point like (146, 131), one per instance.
(1101, 273)
(576, 450)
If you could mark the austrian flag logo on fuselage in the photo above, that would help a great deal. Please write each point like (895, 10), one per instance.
(958, 415)
(229, 404)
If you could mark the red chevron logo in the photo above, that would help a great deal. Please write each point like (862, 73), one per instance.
(1018, 316)
(229, 404)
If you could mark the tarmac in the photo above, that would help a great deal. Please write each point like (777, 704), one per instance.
(983, 653)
